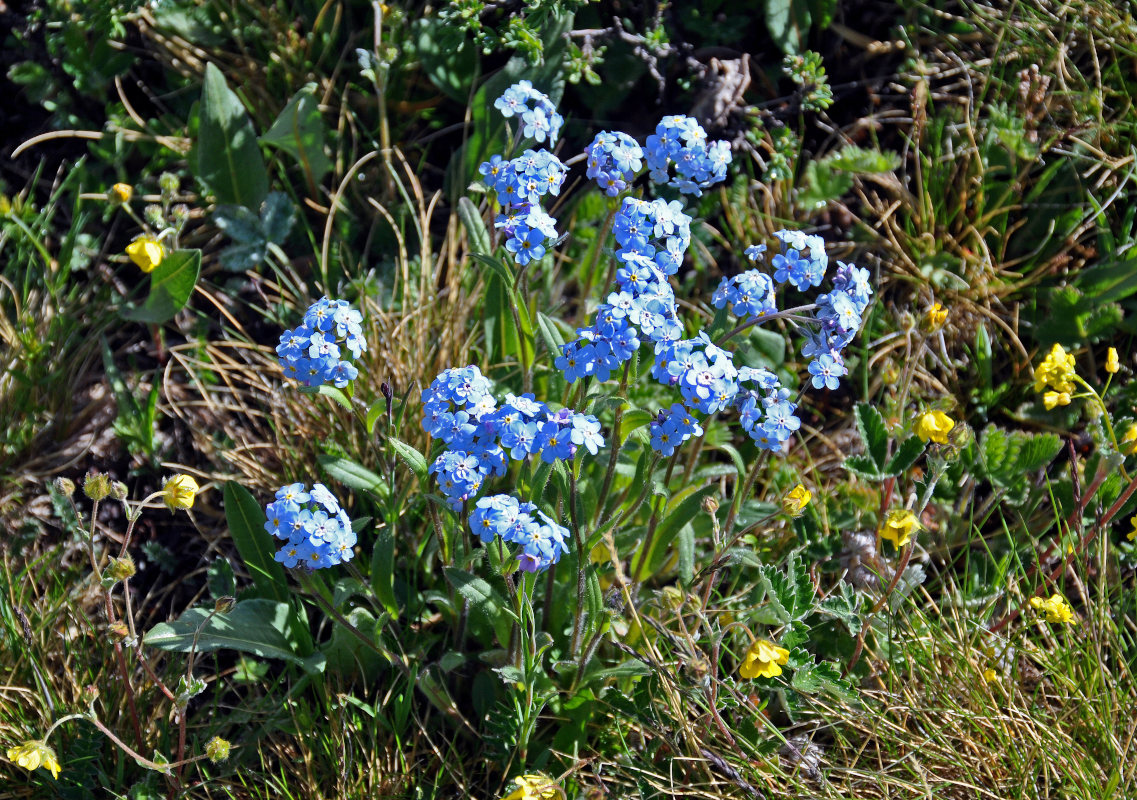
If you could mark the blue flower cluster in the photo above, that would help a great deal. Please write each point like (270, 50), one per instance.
(316, 531)
(538, 115)
(669, 429)
(460, 409)
(682, 141)
(704, 372)
(765, 410)
(521, 182)
(614, 158)
(541, 539)
(314, 353)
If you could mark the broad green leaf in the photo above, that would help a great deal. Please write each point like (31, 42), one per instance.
(788, 23)
(352, 474)
(790, 592)
(845, 606)
(412, 458)
(246, 521)
(863, 466)
(229, 160)
(862, 162)
(299, 131)
(497, 267)
(476, 232)
(261, 627)
(483, 598)
(171, 284)
(448, 58)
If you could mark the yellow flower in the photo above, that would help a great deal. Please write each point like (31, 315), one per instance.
(934, 426)
(122, 192)
(1055, 371)
(1055, 607)
(1129, 440)
(33, 754)
(535, 787)
(899, 526)
(1133, 533)
(1112, 365)
(1052, 399)
(178, 492)
(934, 318)
(147, 252)
(762, 660)
(795, 500)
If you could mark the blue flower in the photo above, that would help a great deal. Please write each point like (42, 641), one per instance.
(317, 532)
(311, 353)
(826, 372)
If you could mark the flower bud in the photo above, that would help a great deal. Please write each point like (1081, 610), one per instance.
(119, 631)
(223, 605)
(1112, 364)
(179, 214)
(119, 490)
(96, 486)
(121, 192)
(89, 694)
(154, 216)
(934, 318)
(168, 183)
(710, 504)
(121, 569)
(65, 486)
(217, 749)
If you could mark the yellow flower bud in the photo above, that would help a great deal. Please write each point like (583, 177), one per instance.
(147, 252)
(763, 660)
(1112, 365)
(1133, 533)
(898, 527)
(795, 500)
(34, 754)
(122, 192)
(934, 318)
(178, 492)
(934, 426)
(535, 787)
(1052, 399)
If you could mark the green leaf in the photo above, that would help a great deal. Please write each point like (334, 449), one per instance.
(863, 466)
(863, 162)
(246, 521)
(824, 677)
(412, 458)
(299, 131)
(171, 284)
(352, 474)
(261, 627)
(476, 233)
(870, 424)
(483, 598)
(845, 606)
(790, 592)
(822, 185)
(498, 268)
(447, 57)
(383, 569)
(788, 23)
(229, 160)
(330, 392)
(676, 519)
(905, 456)
(551, 335)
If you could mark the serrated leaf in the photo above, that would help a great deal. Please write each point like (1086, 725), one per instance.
(278, 215)
(299, 131)
(171, 284)
(790, 592)
(905, 456)
(229, 160)
(870, 424)
(845, 606)
(823, 677)
(863, 467)
(822, 186)
(863, 162)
